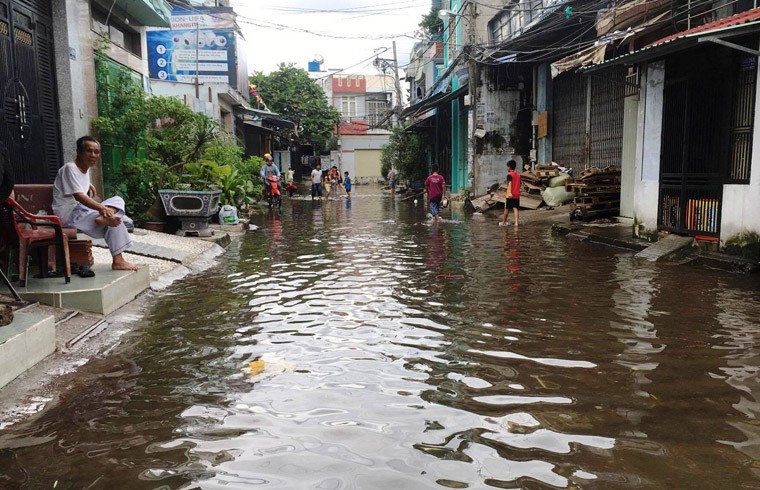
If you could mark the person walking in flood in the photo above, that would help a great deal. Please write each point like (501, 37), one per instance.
(513, 193)
(435, 186)
(392, 181)
(316, 182)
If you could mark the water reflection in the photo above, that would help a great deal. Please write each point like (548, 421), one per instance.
(397, 353)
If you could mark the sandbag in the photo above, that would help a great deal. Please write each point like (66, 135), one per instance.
(557, 196)
(559, 181)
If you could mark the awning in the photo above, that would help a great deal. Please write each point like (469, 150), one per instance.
(434, 101)
(257, 127)
(593, 55)
(151, 13)
(424, 123)
(589, 56)
(632, 13)
(271, 117)
(737, 25)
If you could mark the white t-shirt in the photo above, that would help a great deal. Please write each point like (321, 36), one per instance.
(68, 182)
(316, 176)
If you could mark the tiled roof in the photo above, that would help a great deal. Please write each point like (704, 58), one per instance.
(734, 20)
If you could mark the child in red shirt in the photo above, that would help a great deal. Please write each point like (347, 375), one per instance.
(513, 193)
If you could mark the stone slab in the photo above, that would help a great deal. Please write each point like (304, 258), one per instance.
(104, 293)
(25, 342)
(149, 250)
(665, 247)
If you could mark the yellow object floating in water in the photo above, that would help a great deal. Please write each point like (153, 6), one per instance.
(255, 367)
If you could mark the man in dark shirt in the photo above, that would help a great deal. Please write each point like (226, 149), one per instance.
(435, 186)
(6, 177)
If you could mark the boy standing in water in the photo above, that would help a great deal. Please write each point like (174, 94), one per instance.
(513, 193)
(347, 184)
(435, 186)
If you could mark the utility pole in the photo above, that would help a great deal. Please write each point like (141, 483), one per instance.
(197, 41)
(474, 78)
(397, 109)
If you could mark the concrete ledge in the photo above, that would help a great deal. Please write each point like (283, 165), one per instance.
(25, 342)
(579, 232)
(728, 263)
(104, 293)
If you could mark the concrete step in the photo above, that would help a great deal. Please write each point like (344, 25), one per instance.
(666, 247)
(104, 293)
(25, 342)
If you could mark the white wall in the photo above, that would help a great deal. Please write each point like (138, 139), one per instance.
(352, 143)
(501, 107)
(647, 180)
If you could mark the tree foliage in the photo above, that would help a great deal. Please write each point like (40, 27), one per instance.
(407, 153)
(155, 138)
(431, 24)
(291, 93)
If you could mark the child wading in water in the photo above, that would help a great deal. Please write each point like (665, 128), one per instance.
(347, 184)
(513, 193)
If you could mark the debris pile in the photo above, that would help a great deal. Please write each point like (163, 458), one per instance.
(597, 193)
(534, 185)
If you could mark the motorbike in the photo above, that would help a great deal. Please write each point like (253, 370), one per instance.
(272, 191)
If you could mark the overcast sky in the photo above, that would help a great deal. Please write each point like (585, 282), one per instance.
(344, 32)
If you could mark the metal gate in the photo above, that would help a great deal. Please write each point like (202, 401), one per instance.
(569, 129)
(588, 120)
(690, 180)
(29, 124)
(606, 119)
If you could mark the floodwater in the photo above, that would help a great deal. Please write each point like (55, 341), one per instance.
(398, 354)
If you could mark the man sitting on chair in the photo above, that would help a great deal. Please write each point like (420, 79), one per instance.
(73, 202)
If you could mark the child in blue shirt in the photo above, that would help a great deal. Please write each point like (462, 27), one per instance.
(347, 184)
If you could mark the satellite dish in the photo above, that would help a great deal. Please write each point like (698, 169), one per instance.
(319, 58)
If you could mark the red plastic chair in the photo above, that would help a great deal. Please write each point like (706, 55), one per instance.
(29, 232)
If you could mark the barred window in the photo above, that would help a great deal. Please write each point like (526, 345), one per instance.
(742, 121)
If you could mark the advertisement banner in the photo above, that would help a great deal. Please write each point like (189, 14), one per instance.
(172, 55)
(201, 41)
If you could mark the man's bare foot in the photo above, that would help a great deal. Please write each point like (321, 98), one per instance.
(119, 264)
(108, 221)
(124, 266)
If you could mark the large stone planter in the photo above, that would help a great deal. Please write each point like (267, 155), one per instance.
(193, 208)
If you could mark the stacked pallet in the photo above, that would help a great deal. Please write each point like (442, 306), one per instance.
(597, 192)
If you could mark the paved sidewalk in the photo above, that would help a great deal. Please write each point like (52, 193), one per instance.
(169, 256)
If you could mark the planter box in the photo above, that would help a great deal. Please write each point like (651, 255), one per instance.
(197, 204)
(192, 208)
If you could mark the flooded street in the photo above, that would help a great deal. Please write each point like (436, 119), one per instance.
(398, 354)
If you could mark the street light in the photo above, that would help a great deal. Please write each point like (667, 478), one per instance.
(444, 14)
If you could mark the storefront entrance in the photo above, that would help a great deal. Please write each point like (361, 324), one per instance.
(29, 123)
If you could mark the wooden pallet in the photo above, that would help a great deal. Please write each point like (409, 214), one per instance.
(592, 206)
(547, 173)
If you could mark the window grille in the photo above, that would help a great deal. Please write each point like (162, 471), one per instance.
(742, 122)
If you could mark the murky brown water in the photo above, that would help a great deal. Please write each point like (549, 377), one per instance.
(401, 355)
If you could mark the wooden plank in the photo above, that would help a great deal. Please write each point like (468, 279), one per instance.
(531, 188)
(529, 177)
(588, 172)
(547, 173)
(530, 201)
